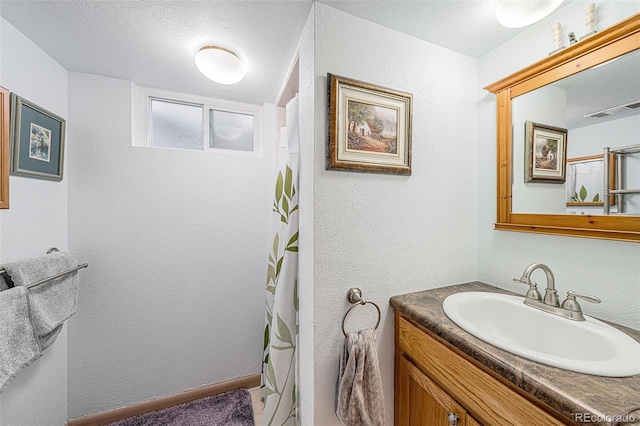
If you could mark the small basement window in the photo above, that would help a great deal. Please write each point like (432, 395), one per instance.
(180, 121)
(230, 130)
(176, 125)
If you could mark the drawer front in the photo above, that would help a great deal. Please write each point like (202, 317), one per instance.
(487, 399)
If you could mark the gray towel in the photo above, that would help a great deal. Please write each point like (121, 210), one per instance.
(52, 302)
(4, 280)
(360, 399)
(18, 342)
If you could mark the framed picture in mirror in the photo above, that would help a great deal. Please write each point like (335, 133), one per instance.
(545, 153)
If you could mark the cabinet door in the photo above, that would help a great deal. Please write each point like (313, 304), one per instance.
(471, 421)
(422, 402)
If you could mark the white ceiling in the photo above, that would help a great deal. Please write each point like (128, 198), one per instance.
(152, 42)
(465, 26)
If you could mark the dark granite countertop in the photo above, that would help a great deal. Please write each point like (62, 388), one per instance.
(565, 391)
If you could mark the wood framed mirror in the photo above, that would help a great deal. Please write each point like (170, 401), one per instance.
(598, 51)
(4, 148)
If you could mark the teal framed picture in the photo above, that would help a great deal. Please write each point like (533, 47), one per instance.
(38, 141)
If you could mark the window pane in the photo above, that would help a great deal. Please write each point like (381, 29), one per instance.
(176, 125)
(230, 130)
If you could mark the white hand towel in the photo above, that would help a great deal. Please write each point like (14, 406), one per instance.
(360, 398)
(18, 342)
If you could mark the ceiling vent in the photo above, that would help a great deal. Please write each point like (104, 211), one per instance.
(614, 110)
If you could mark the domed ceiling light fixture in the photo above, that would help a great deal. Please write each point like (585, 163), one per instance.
(520, 13)
(220, 65)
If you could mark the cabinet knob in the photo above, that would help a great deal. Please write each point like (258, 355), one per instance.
(453, 418)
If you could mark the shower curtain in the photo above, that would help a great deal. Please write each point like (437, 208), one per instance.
(585, 181)
(279, 362)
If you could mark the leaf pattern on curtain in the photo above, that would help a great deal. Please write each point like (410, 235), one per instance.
(279, 360)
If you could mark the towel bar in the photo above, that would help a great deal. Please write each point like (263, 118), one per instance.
(5, 275)
(37, 283)
(355, 296)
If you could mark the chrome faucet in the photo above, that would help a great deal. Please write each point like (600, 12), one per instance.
(550, 294)
(570, 307)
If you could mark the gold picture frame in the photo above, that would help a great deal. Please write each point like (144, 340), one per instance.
(545, 153)
(4, 148)
(369, 127)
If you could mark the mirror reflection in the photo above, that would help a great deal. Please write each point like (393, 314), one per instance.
(599, 108)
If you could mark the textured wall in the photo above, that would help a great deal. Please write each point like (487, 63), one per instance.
(609, 270)
(177, 242)
(36, 221)
(306, 268)
(390, 234)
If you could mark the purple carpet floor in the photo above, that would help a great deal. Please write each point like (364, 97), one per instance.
(227, 409)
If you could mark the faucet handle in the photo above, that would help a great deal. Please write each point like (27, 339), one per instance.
(571, 304)
(533, 292)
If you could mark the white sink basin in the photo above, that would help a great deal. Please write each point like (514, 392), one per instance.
(589, 346)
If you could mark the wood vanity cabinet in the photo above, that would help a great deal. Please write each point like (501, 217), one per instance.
(435, 385)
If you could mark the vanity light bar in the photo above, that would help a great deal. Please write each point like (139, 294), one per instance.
(614, 110)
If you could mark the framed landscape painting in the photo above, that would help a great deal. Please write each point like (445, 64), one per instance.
(545, 153)
(369, 127)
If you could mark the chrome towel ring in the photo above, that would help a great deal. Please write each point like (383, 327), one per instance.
(355, 296)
